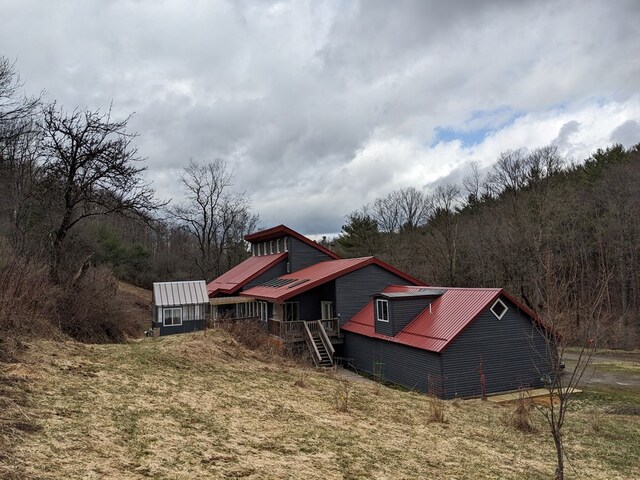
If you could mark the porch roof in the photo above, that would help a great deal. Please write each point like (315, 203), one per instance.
(236, 278)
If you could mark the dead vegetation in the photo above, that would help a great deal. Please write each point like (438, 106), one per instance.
(195, 406)
(93, 307)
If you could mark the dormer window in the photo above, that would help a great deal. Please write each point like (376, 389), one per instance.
(382, 310)
(286, 244)
(278, 245)
(499, 309)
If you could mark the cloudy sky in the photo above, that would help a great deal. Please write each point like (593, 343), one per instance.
(320, 107)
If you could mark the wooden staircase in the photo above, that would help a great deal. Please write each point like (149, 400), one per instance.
(319, 344)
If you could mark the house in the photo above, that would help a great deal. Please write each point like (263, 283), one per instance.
(300, 290)
(179, 307)
(451, 342)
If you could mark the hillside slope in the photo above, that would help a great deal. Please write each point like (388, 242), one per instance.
(192, 406)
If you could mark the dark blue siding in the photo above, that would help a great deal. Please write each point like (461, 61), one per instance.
(354, 290)
(187, 326)
(276, 271)
(512, 350)
(309, 301)
(403, 311)
(302, 255)
(410, 367)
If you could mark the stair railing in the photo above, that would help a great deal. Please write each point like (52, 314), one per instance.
(326, 341)
(308, 338)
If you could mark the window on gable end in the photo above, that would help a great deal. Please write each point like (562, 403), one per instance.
(499, 309)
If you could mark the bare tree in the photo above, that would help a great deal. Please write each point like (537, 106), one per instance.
(406, 208)
(18, 147)
(557, 292)
(443, 230)
(15, 110)
(215, 216)
(91, 168)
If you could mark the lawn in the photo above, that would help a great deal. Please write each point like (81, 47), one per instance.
(192, 406)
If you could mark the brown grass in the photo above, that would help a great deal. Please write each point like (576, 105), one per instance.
(520, 414)
(195, 406)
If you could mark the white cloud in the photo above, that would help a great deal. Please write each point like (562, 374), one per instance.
(322, 106)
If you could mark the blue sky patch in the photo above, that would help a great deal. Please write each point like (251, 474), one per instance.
(477, 126)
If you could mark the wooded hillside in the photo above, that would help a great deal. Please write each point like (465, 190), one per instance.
(545, 229)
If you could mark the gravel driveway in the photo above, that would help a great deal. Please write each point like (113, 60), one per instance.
(609, 369)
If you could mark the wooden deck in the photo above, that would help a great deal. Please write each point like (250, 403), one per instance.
(534, 394)
(292, 331)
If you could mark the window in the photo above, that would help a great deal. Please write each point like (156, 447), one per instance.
(382, 308)
(291, 311)
(247, 310)
(172, 316)
(286, 244)
(253, 249)
(326, 309)
(278, 246)
(264, 311)
(499, 309)
(271, 247)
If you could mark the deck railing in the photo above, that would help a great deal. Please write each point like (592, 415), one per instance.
(293, 330)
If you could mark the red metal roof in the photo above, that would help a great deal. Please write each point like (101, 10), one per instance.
(433, 329)
(282, 230)
(315, 275)
(234, 279)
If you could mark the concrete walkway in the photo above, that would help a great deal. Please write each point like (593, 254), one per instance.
(352, 376)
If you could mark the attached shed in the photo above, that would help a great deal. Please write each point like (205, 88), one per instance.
(451, 342)
(179, 307)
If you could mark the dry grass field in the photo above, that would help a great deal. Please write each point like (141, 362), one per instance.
(192, 406)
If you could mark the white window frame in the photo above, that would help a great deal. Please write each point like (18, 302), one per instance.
(326, 307)
(164, 317)
(253, 249)
(286, 244)
(381, 302)
(278, 245)
(271, 250)
(498, 301)
(263, 308)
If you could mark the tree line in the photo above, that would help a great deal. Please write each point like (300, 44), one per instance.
(76, 215)
(534, 224)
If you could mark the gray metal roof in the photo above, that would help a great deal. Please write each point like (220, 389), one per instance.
(180, 293)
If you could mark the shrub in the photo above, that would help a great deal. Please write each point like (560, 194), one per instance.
(342, 395)
(91, 310)
(27, 299)
(436, 409)
(520, 418)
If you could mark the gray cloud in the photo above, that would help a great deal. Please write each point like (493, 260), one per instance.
(321, 106)
(627, 133)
